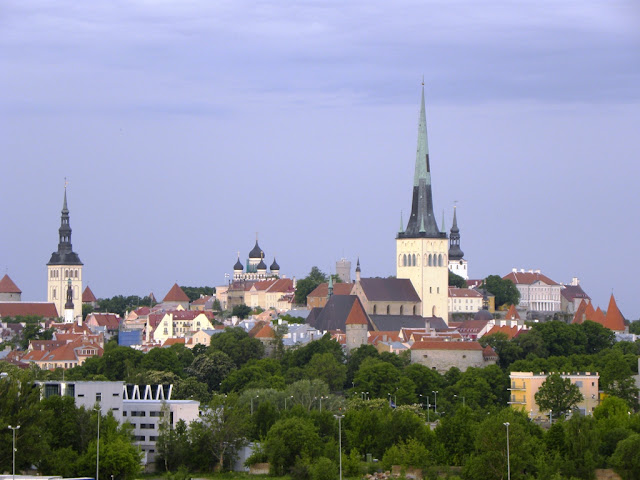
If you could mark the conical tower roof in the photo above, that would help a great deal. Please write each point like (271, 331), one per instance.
(65, 254)
(176, 294)
(614, 319)
(578, 317)
(7, 285)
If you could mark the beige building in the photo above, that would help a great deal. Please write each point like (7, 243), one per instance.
(422, 248)
(441, 355)
(525, 385)
(180, 324)
(464, 300)
(268, 294)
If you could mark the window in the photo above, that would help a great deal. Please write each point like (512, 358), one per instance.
(138, 414)
(116, 394)
(147, 426)
(388, 309)
(156, 414)
(401, 310)
(152, 438)
(98, 396)
(375, 307)
(139, 438)
(124, 413)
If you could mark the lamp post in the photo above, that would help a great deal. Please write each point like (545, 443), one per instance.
(285, 401)
(98, 445)
(506, 424)
(339, 417)
(550, 417)
(252, 398)
(435, 401)
(14, 449)
(456, 396)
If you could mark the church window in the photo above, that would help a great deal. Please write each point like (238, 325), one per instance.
(413, 259)
(401, 310)
(375, 308)
(404, 260)
(399, 260)
(430, 289)
(388, 309)
(429, 259)
(54, 294)
(66, 274)
(440, 260)
(414, 309)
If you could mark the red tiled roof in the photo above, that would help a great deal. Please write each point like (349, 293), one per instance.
(510, 332)
(176, 294)
(527, 278)
(512, 313)
(173, 341)
(614, 319)
(489, 352)
(473, 326)
(357, 315)
(109, 320)
(598, 316)
(201, 301)
(589, 312)
(256, 328)
(283, 285)
(88, 296)
(142, 311)
(40, 309)
(578, 317)
(7, 285)
(463, 292)
(265, 332)
(440, 345)
(322, 290)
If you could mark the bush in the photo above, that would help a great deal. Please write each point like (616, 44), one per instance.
(324, 469)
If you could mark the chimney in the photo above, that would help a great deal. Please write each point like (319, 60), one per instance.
(575, 282)
(514, 270)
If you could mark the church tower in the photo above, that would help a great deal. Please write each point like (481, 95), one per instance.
(421, 248)
(457, 263)
(64, 267)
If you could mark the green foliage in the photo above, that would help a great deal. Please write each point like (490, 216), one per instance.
(323, 469)
(505, 291)
(306, 285)
(325, 367)
(195, 293)
(626, 460)
(289, 439)
(558, 395)
(409, 454)
(121, 304)
(211, 368)
(33, 331)
(236, 343)
(87, 310)
(634, 327)
(581, 442)
(241, 311)
(456, 280)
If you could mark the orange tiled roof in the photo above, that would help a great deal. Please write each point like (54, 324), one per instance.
(173, 341)
(598, 316)
(512, 313)
(266, 332)
(322, 290)
(7, 285)
(511, 332)
(109, 320)
(40, 309)
(614, 319)
(176, 294)
(589, 312)
(578, 317)
(357, 315)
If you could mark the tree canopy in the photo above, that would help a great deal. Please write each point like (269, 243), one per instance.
(505, 291)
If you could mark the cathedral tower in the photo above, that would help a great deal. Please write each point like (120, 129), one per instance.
(421, 248)
(64, 267)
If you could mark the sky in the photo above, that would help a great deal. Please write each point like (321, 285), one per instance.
(185, 127)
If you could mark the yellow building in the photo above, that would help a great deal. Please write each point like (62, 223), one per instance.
(524, 386)
(180, 324)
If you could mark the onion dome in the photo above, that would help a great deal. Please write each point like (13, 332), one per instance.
(238, 265)
(261, 265)
(274, 266)
(256, 252)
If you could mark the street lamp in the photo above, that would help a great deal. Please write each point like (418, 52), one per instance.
(98, 445)
(14, 449)
(506, 424)
(252, 398)
(456, 396)
(550, 417)
(339, 416)
(285, 401)
(435, 401)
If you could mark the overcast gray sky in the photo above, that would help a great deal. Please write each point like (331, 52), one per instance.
(185, 127)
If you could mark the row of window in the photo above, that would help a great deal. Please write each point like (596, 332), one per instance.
(67, 274)
(430, 260)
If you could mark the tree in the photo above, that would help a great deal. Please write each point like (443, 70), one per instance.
(626, 460)
(237, 343)
(195, 293)
(617, 379)
(306, 285)
(505, 290)
(241, 311)
(325, 367)
(456, 280)
(634, 327)
(288, 439)
(211, 369)
(558, 395)
(508, 351)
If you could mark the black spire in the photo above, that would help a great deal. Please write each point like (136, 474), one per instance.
(454, 240)
(65, 254)
(422, 222)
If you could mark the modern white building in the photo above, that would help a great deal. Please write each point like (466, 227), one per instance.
(143, 406)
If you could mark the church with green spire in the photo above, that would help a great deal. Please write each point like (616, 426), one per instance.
(422, 247)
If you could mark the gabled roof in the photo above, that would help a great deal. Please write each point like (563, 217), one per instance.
(473, 326)
(463, 292)
(389, 290)
(282, 285)
(440, 345)
(322, 290)
(110, 321)
(88, 296)
(572, 292)
(173, 341)
(265, 332)
(510, 332)
(528, 278)
(176, 294)
(489, 352)
(41, 309)
(202, 300)
(335, 313)
(357, 315)
(614, 319)
(512, 313)
(7, 285)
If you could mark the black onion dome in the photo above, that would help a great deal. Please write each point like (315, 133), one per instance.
(261, 265)
(256, 252)
(274, 265)
(238, 265)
